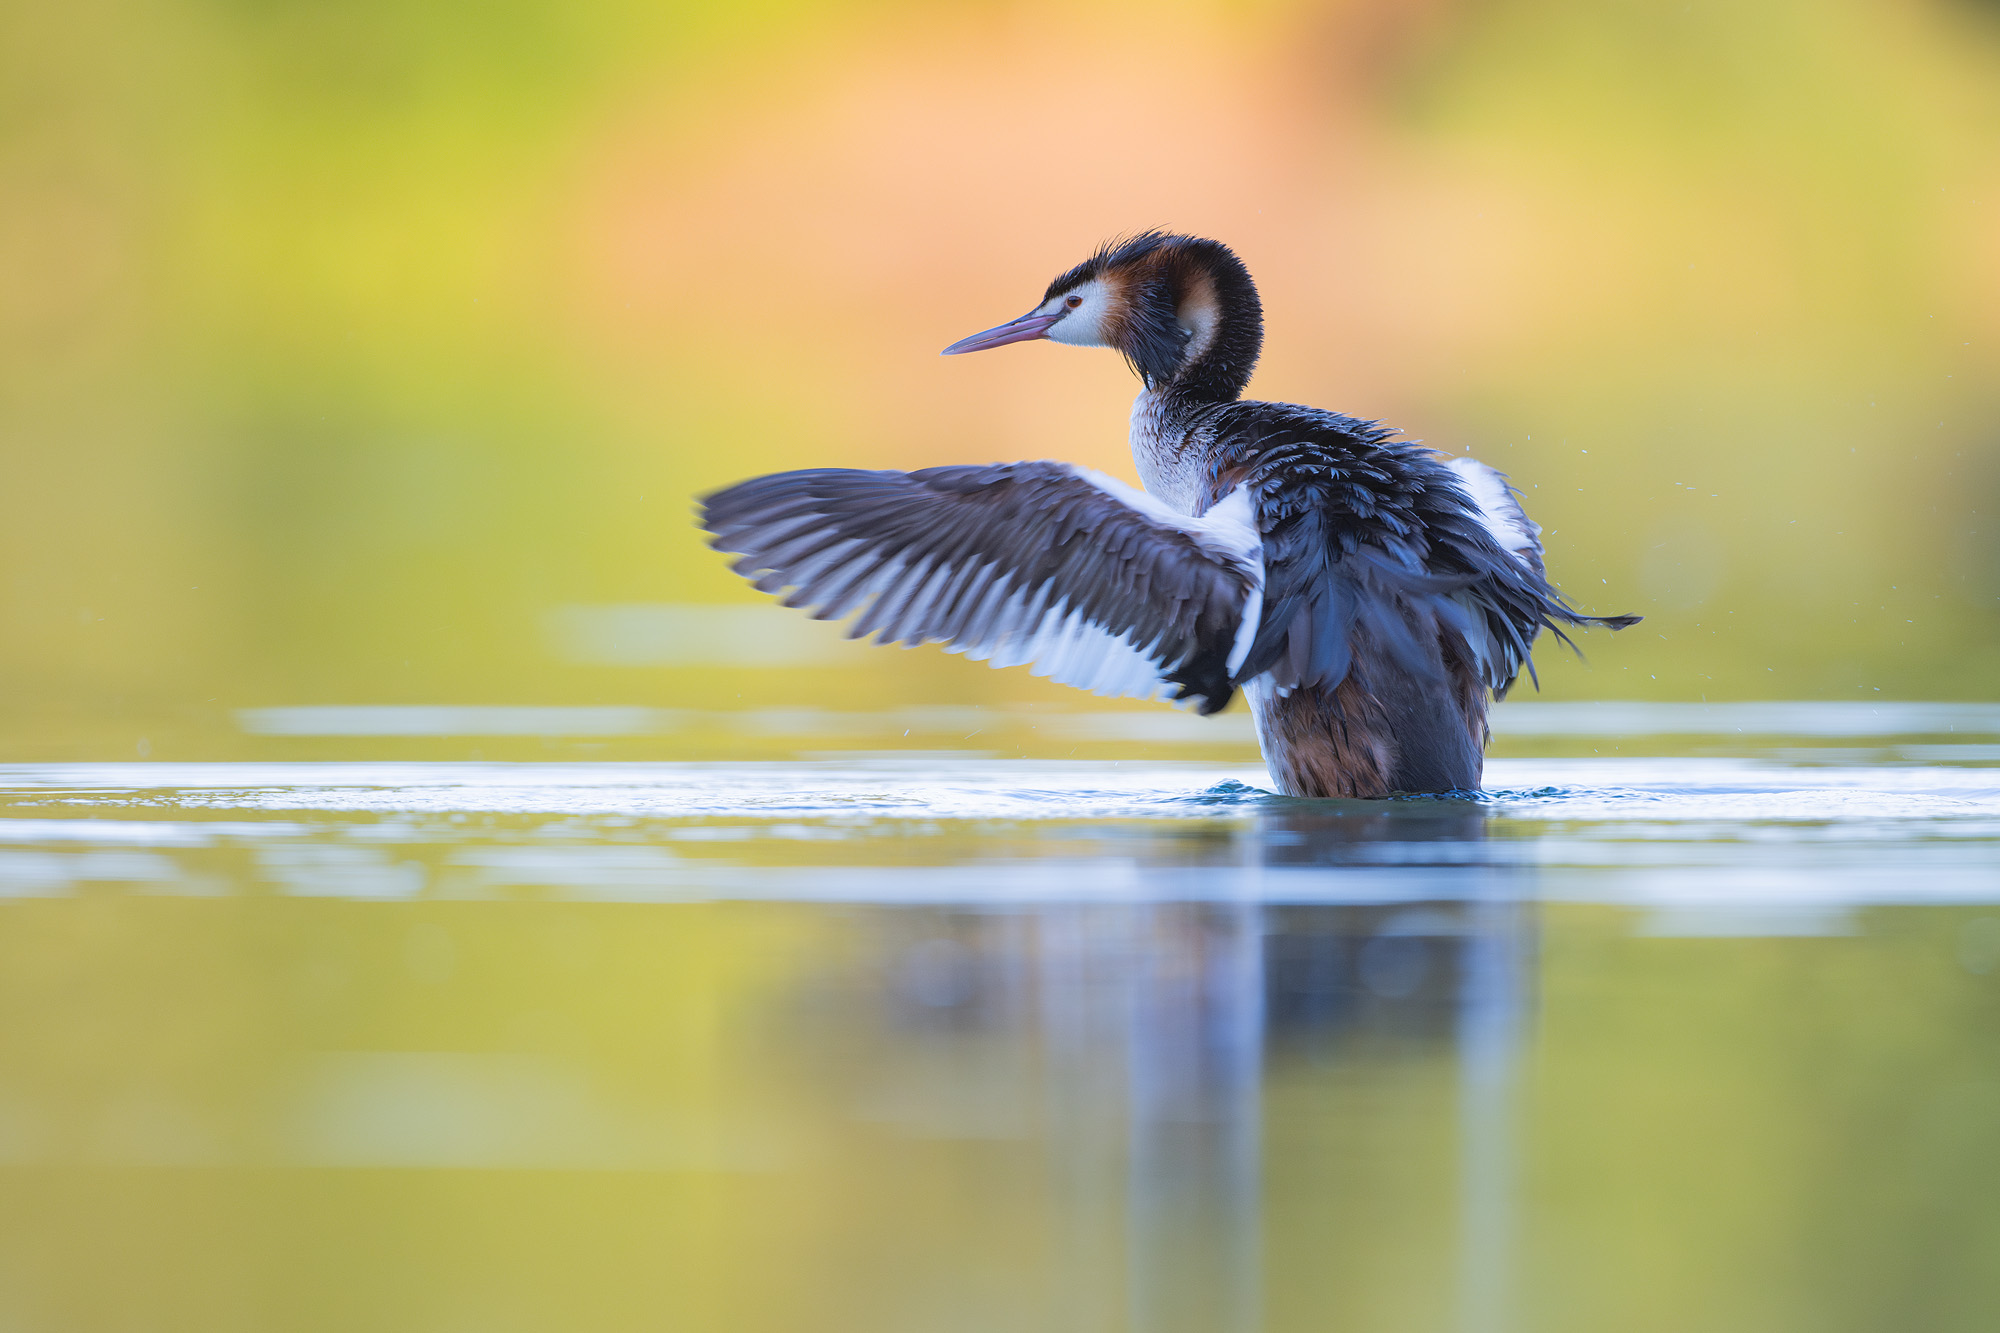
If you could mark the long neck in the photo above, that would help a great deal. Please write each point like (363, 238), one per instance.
(1205, 327)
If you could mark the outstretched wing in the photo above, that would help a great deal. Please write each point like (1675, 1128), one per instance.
(1090, 581)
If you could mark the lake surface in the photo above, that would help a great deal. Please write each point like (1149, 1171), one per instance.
(926, 1041)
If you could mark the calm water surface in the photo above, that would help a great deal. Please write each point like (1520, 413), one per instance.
(928, 1042)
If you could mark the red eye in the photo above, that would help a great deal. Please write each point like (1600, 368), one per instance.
(1073, 302)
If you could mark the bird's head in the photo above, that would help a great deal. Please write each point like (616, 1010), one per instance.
(1182, 310)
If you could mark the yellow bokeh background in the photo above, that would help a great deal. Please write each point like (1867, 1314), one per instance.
(342, 343)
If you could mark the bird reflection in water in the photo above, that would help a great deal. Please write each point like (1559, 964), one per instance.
(1135, 1040)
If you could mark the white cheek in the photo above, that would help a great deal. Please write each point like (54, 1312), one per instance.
(1084, 326)
(1199, 321)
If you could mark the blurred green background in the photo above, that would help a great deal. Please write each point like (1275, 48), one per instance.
(371, 353)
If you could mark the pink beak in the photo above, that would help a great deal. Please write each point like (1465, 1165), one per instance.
(1029, 326)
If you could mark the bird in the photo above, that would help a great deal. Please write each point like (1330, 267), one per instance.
(1365, 593)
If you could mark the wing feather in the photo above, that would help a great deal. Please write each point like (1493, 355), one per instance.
(1379, 552)
(1500, 511)
(1067, 571)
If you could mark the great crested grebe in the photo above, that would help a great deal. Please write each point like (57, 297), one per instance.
(1365, 593)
